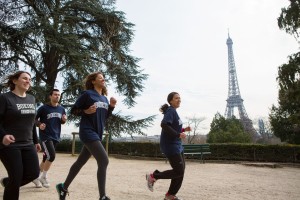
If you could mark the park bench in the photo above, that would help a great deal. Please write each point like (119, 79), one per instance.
(197, 149)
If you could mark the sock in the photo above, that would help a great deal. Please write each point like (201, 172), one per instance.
(152, 176)
(44, 174)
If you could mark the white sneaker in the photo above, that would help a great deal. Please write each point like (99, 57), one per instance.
(44, 182)
(37, 183)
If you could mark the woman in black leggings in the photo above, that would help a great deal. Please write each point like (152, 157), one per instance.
(19, 143)
(94, 109)
(170, 144)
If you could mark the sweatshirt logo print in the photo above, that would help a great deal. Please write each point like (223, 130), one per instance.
(100, 104)
(52, 115)
(26, 108)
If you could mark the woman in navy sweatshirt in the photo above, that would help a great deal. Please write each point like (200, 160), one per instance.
(171, 145)
(94, 109)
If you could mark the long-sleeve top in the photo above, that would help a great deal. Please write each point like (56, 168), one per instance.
(92, 126)
(170, 142)
(17, 116)
(51, 116)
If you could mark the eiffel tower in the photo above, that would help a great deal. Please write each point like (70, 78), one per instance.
(234, 97)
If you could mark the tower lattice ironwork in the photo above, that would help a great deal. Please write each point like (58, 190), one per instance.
(234, 99)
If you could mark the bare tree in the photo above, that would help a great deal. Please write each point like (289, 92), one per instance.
(194, 123)
(265, 131)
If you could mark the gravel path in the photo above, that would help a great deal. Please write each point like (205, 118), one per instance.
(209, 181)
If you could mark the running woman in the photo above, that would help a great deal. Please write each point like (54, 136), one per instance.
(171, 145)
(94, 109)
(49, 119)
(18, 137)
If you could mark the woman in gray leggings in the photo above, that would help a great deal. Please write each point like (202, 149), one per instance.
(94, 109)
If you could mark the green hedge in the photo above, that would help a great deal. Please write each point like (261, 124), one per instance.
(233, 152)
(255, 152)
(65, 146)
(135, 149)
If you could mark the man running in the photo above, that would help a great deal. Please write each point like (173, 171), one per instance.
(49, 118)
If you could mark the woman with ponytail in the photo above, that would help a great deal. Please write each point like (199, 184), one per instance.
(171, 145)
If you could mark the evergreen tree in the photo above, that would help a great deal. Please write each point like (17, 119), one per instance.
(224, 130)
(285, 119)
(70, 39)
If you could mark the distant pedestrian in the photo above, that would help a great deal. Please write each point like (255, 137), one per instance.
(49, 118)
(171, 145)
(94, 109)
(19, 142)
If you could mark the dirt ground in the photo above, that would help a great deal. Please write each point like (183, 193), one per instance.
(209, 181)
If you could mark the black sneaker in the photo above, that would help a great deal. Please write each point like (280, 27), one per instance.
(105, 198)
(62, 193)
(4, 181)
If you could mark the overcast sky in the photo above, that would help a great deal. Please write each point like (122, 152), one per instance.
(183, 48)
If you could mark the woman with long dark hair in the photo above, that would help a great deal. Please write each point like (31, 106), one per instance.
(171, 145)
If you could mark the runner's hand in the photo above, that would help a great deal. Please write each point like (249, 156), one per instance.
(182, 135)
(112, 102)
(38, 147)
(187, 128)
(90, 110)
(8, 139)
(64, 118)
(42, 126)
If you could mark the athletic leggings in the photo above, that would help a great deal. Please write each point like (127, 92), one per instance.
(22, 165)
(176, 174)
(49, 150)
(96, 149)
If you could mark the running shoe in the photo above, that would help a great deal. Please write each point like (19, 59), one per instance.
(62, 193)
(37, 183)
(150, 181)
(105, 198)
(171, 197)
(45, 182)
